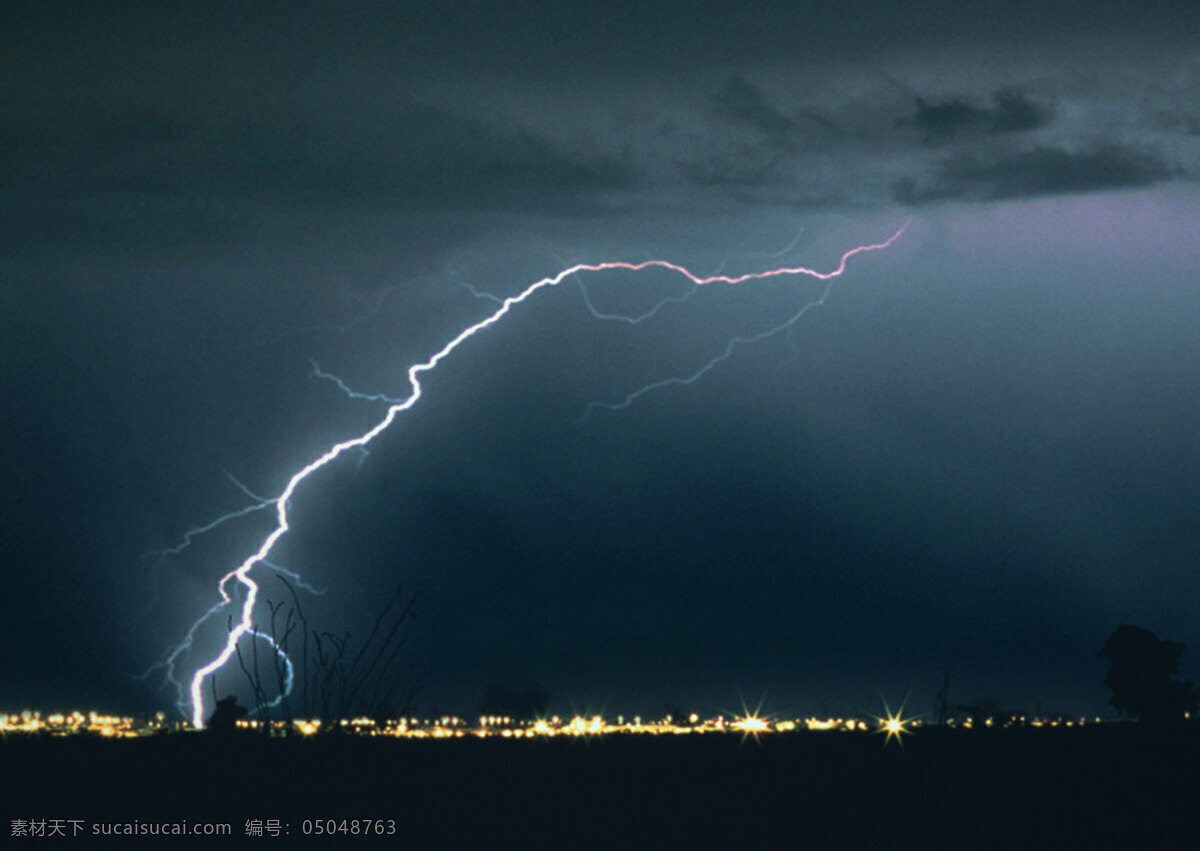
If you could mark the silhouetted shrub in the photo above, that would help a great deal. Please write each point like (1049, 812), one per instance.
(225, 717)
(1141, 674)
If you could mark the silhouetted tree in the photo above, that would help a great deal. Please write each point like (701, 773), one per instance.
(1141, 674)
(333, 681)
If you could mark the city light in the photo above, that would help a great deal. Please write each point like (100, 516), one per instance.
(893, 725)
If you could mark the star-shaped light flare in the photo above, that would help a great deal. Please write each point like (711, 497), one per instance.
(894, 724)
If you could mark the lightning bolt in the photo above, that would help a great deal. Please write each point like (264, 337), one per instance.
(241, 574)
(376, 397)
(170, 660)
(191, 534)
(641, 317)
(723, 355)
(495, 299)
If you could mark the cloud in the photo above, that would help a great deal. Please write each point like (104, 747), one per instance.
(1040, 171)
(746, 169)
(1011, 112)
(1014, 112)
(408, 156)
(743, 103)
(380, 137)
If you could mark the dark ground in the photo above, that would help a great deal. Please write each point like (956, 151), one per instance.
(1107, 786)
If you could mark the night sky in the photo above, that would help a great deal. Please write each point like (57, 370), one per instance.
(978, 456)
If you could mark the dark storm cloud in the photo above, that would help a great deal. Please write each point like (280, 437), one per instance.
(748, 168)
(1041, 171)
(767, 145)
(434, 160)
(400, 157)
(356, 110)
(1012, 112)
(746, 104)
(761, 146)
